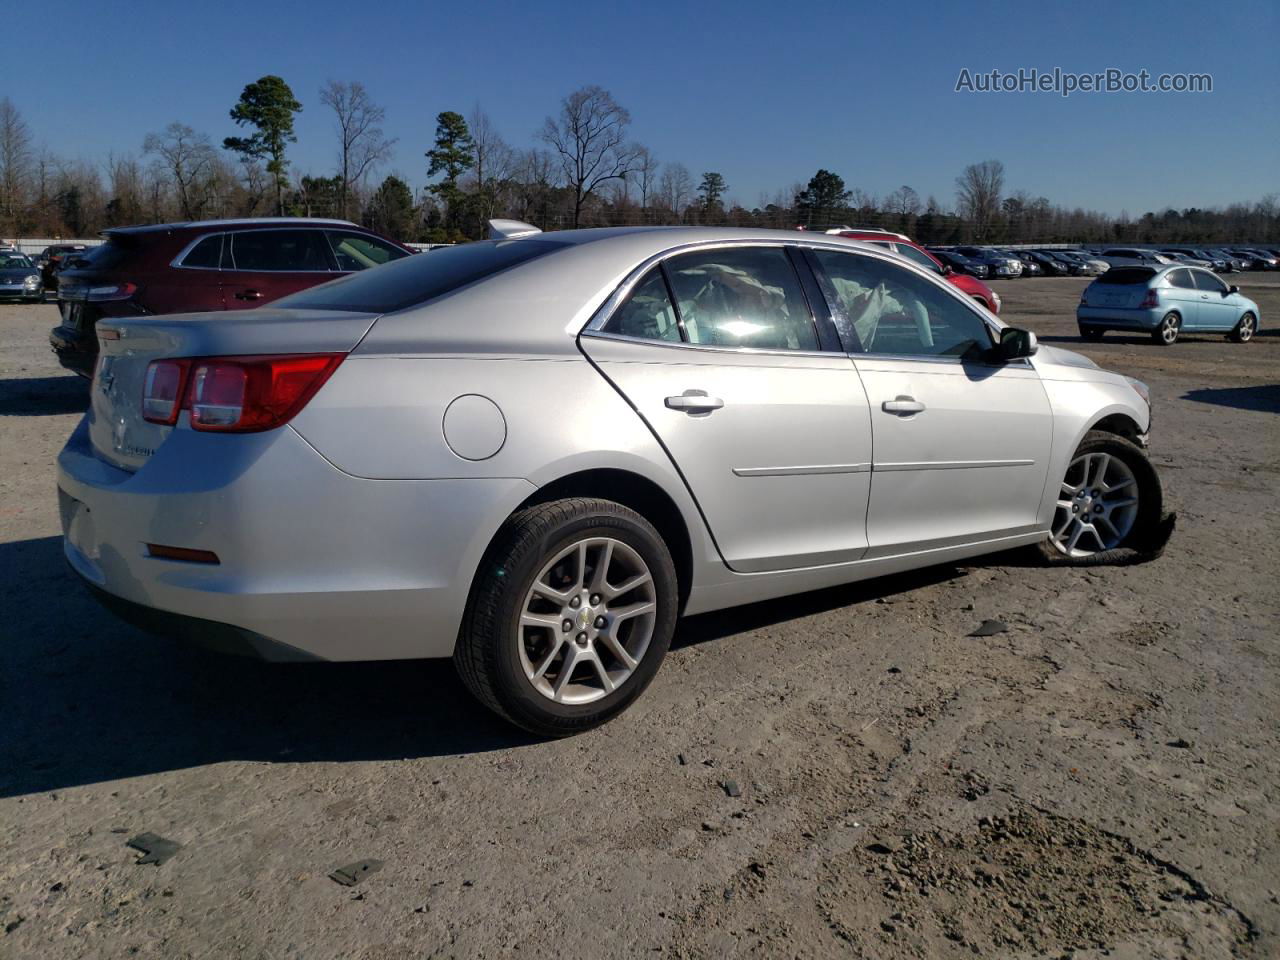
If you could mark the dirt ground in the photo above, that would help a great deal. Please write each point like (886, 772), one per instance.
(1101, 780)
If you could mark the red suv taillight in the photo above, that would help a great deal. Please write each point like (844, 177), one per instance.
(111, 291)
(234, 394)
(1152, 299)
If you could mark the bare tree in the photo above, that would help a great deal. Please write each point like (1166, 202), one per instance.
(646, 177)
(675, 187)
(15, 163)
(904, 202)
(187, 157)
(494, 161)
(361, 143)
(535, 173)
(590, 138)
(978, 191)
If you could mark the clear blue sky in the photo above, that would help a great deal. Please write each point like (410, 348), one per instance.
(765, 93)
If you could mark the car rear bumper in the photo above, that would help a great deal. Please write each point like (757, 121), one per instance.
(1120, 317)
(75, 351)
(314, 563)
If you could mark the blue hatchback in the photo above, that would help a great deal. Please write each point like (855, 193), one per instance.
(1164, 302)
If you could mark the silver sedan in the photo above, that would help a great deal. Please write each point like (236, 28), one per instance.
(533, 454)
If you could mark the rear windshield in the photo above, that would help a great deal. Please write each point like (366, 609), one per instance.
(1119, 276)
(417, 279)
(106, 256)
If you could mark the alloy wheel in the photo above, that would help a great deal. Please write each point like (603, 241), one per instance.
(1169, 328)
(1246, 327)
(587, 621)
(1097, 505)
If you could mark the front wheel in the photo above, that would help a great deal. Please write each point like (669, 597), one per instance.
(1167, 333)
(570, 616)
(1245, 329)
(1109, 499)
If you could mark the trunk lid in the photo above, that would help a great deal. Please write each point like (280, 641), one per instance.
(117, 430)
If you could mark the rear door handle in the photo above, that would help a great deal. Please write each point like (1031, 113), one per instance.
(903, 405)
(694, 401)
(249, 295)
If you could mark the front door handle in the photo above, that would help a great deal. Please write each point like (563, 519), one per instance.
(694, 401)
(249, 295)
(903, 405)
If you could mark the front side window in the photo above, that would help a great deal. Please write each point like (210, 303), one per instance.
(890, 310)
(742, 297)
(358, 251)
(280, 250)
(207, 254)
(648, 313)
(1208, 282)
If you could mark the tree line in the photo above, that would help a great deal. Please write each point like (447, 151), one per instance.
(581, 169)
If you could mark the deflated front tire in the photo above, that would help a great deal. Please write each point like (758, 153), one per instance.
(1110, 506)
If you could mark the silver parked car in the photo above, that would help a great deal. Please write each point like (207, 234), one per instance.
(532, 455)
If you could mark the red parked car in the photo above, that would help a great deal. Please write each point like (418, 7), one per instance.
(913, 251)
(209, 265)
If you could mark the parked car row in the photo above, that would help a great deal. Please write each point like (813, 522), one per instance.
(996, 262)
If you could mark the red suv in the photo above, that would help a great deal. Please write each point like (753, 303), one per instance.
(913, 251)
(211, 265)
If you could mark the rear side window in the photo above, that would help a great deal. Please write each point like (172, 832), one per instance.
(1181, 278)
(1124, 276)
(414, 280)
(648, 313)
(358, 251)
(280, 250)
(742, 297)
(1208, 282)
(207, 254)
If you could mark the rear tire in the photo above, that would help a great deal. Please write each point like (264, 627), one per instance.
(1167, 333)
(1245, 329)
(543, 571)
(1094, 522)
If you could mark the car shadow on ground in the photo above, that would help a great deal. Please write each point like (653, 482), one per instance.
(88, 699)
(1265, 398)
(43, 396)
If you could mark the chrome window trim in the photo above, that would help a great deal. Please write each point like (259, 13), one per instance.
(594, 326)
(710, 347)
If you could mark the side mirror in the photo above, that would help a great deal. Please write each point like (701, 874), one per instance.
(1016, 343)
(946, 271)
(1233, 289)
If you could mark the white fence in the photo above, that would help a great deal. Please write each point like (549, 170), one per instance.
(34, 245)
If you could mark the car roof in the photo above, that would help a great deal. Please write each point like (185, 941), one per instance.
(527, 302)
(250, 222)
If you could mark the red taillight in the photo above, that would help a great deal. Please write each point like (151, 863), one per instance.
(162, 391)
(235, 394)
(111, 291)
(1152, 299)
